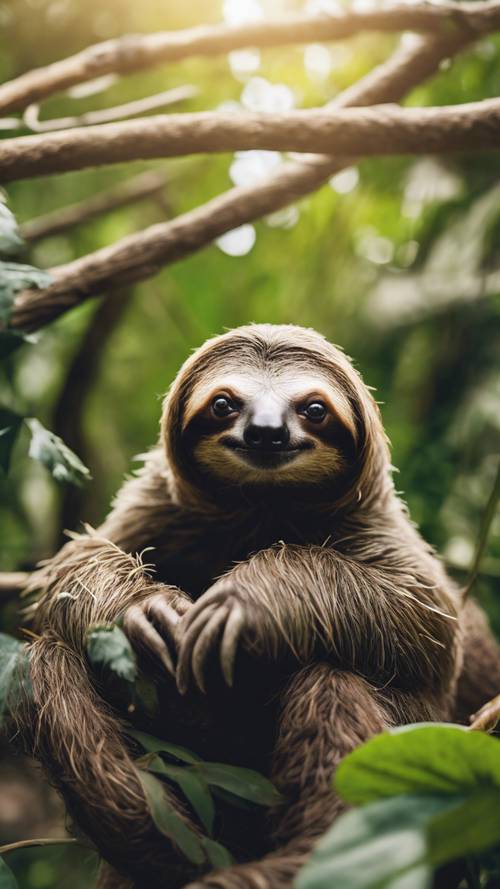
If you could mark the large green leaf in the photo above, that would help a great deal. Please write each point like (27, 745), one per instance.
(242, 782)
(10, 239)
(10, 340)
(376, 846)
(7, 878)
(50, 450)
(109, 647)
(217, 855)
(156, 745)
(470, 828)
(168, 821)
(15, 277)
(419, 759)
(13, 670)
(193, 786)
(10, 424)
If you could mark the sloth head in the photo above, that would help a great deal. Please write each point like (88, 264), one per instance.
(267, 405)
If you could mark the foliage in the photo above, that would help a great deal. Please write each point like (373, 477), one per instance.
(13, 672)
(428, 795)
(197, 780)
(109, 647)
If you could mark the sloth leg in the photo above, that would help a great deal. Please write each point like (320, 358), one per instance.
(326, 714)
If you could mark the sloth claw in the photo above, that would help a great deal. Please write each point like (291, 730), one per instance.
(204, 643)
(139, 628)
(229, 642)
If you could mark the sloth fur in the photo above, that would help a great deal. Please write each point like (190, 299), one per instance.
(331, 617)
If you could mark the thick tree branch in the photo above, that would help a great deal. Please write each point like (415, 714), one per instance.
(146, 185)
(381, 129)
(140, 256)
(135, 52)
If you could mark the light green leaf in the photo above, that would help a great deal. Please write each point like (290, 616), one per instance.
(242, 782)
(109, 647)
(13, 670)
(168, 820)
(217, 854)
(156, 745)
(14, 278)
(379, 845)
(431, 759)
(10, 239)
(193, 787)
(50, 450)
(10, 424)
(7, 878)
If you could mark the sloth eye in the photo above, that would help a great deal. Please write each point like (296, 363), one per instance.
(222, 406)
(316, 411)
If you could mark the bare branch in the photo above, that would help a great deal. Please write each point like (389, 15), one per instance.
(105, 115)
(146, 185)
(380, 129)
(136, 52)
(12, 585)
(140, 256)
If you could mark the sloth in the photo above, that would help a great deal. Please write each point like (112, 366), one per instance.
(288, 610)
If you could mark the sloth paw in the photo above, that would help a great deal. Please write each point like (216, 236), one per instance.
(215, 620)
(151, 625)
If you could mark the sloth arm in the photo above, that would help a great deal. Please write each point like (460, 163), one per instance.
(395, 624)
(100, 575)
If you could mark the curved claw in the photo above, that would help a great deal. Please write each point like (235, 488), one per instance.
(205, 642)
(165, 616)
(139, 628)
(211, 597)
(229, 642)
(191, 631)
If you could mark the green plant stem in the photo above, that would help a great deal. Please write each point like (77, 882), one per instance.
(44, 841)
(484, 530)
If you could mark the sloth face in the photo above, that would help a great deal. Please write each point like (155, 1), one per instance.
(270, 425)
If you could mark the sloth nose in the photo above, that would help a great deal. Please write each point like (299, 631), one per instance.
(272, 437)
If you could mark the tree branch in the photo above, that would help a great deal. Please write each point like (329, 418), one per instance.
(105, 115)
(146, 185)
(141, 255)
(12, 585)
(380, 129)
(135, 52)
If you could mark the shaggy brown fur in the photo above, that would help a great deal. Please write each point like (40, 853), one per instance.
(341, 619)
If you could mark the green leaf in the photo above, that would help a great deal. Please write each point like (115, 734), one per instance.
(380, 845)
(217, 854)
(168, 820)
(14, 278)
(10, 424)
(419, 759)
(13, 670)
(10, 340)
(156, 745)
(193, 787)
(50, 450)
(7, 878)
(109, 647)
(10, 239)
(471, 827)
(242, 782)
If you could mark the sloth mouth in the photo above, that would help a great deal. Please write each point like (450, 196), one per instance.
(265, 458)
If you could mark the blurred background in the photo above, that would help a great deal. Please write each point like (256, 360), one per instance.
(395, 260)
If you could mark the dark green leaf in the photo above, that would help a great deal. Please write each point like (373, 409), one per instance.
(242, 782)
(7, 878)
(10, 239)
(168, 820)
(193, 787)
(10, 340)
(50, 450)
(109, 647)
(470, 828)
(380, 845)
(10, 424)
(218, 855)
(13, 670)
(419, 759)
(14, 278)
(156, 745)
